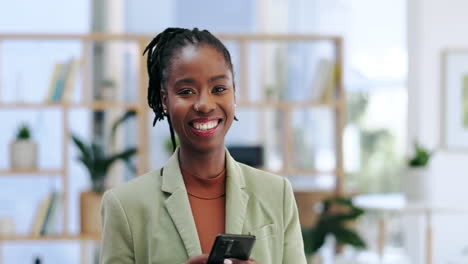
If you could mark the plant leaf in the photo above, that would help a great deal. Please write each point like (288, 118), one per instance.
(318, 239)
(118, 122)
(124, 155)
(85, 152)
(307, 237)
(350, 237)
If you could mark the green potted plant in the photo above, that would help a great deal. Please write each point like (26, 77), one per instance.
(23, 151)
(416, 183)
(97, 160)
(335, 219)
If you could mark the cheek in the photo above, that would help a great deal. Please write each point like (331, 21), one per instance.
(231, 110)
(177, 109)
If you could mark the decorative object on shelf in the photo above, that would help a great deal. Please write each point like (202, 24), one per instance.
(454, 123)
(23, 151)
(335, 219)
(107, 90)
(37, 260)
(416, 182)
(97, 161)
(271, 93)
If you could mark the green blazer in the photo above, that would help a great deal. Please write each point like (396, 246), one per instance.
(149, 220)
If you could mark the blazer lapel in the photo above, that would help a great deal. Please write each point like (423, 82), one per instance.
(236, 197)
(178, 205)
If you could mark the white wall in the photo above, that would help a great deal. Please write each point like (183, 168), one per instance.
(433, 26)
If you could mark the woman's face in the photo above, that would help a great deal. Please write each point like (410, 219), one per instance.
(199, 97)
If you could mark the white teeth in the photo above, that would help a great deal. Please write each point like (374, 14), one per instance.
(205, 126)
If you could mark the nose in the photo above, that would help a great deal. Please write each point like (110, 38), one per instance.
(205, 103)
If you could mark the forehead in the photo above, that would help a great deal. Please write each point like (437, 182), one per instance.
(197, 61)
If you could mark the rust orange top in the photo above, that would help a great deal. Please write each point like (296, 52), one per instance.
(207, 199)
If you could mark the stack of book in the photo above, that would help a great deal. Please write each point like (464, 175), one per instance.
(62, 81)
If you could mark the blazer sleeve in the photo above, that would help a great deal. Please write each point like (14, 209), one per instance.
(116, 242)
(293, 247)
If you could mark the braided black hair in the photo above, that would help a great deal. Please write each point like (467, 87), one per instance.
(160, 52)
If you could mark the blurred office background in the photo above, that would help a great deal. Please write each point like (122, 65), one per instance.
(392, 75)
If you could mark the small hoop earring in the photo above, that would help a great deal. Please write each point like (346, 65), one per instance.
(165, 111)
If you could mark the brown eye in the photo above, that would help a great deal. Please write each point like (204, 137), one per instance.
(219, 89)
(186, 92)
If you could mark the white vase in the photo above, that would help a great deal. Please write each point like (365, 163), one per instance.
(23, 155)
(416, 185)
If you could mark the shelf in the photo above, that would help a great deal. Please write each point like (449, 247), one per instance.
(46, 172)
(102, 105)
(22, 238)
(98, 105)
(288, 105)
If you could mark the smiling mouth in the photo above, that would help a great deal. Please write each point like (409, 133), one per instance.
(205, 127)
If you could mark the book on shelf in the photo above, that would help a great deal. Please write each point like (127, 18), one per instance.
(70, 80)
(62, 81)
(50, 225)
(39, 218)
(56, 72)
(324, 83)
(47, 215)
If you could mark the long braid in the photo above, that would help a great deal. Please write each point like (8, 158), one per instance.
(160, 52)
(155, 50)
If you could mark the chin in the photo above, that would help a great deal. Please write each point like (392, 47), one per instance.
(206, 147)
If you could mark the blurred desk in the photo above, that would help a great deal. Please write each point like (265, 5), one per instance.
(385, 204)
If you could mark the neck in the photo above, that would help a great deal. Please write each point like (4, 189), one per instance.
(205, 164)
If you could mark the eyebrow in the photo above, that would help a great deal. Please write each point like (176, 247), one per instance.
(217, 77)
(192, 81)
(185, 81)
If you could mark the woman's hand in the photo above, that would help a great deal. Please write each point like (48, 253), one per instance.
(238, 261)
(200, 259)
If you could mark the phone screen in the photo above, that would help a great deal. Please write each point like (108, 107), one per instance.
(231, 246)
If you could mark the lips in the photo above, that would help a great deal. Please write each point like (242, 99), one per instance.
(205, 127)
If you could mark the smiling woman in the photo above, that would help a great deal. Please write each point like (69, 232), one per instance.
(173, 214)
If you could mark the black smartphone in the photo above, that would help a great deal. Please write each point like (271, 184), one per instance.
(231, 246)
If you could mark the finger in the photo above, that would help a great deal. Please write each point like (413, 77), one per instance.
(237, 261)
